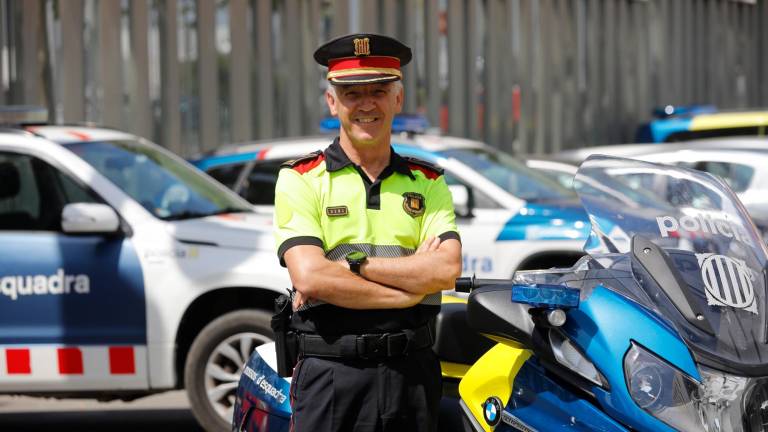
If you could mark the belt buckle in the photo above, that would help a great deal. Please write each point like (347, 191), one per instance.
(375, 346)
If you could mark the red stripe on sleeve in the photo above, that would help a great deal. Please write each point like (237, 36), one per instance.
(303, 167)
(430, 174)
(121, 361)
(70, 361)
(17, 361)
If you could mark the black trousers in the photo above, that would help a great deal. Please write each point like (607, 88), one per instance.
(399, 394)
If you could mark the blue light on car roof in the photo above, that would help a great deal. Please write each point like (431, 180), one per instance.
(545, 295)
(411, 123)
(23, 114)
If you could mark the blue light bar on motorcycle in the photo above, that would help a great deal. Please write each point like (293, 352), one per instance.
(546, 296)
(411, 123)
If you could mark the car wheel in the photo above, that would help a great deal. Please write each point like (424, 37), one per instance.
(215, 362)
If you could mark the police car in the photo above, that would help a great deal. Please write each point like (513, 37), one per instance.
(124, 271)
(510, 217)
(683, 123)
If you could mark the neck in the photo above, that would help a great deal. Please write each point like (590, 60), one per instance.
(371, 157)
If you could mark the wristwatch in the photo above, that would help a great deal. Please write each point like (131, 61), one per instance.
(355, 260)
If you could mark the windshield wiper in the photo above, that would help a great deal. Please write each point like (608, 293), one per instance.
(186, 214)
(189, 214)
(231, 210)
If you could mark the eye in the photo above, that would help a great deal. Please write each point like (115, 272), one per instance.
(380, 92)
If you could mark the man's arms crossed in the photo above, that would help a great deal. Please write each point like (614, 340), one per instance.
(386, 283)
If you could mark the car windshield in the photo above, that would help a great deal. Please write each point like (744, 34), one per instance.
(158, 180)
(511, 174)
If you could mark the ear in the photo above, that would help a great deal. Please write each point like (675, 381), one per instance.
(330, 99)
(399, 99)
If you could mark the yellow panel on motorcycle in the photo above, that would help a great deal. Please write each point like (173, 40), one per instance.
(546, 296)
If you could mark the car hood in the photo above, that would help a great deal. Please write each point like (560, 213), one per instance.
(547, 220)
(231, 230)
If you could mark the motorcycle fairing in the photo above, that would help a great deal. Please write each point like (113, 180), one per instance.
(544, 405)
(491, 312)
(263, 397)
(624, 321)
(491, 376)
(532, 401)
(710, 241)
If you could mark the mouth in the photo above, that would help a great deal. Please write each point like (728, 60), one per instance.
(366, 119)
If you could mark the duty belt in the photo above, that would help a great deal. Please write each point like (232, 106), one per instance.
(366, 346)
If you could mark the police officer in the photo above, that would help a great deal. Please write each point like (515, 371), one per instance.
(369, 239)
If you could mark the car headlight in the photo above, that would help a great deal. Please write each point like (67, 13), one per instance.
(663, 391)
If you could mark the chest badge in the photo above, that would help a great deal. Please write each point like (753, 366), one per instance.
(413, 203)
(337, 211)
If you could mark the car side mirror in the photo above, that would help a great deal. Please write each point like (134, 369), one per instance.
(463, 200)
(90, 218)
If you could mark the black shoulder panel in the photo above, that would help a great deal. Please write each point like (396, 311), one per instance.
(424, 165)
(302, 159)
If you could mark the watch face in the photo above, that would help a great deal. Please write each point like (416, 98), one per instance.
(356, 256)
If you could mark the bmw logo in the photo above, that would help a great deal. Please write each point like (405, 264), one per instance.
(492, 411)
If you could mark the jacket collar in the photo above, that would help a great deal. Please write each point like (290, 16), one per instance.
(336, 159)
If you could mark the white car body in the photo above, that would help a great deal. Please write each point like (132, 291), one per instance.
(179, 263)
(486, 253)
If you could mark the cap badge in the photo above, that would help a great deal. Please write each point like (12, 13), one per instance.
(413, 203)
(337, 211)
(362, 47)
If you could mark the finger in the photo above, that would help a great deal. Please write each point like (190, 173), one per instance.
(298, 300)
(435, 244)
(424, 246)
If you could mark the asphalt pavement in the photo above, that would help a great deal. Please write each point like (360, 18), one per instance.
(163, 412)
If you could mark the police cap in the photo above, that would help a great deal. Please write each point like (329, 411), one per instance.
(363, 58)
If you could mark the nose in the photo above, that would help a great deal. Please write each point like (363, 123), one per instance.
(367, 104)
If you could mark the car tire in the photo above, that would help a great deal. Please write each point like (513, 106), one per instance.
(212, 372)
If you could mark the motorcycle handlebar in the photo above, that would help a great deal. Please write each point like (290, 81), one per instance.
(467, 284)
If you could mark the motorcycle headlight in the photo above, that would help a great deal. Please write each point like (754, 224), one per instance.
(662, 390)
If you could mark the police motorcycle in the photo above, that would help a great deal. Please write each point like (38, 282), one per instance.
(663, 326)
(262, 402)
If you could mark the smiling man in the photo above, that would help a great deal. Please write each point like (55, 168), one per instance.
(369, 239)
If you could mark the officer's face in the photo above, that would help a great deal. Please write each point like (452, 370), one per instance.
(365, 111)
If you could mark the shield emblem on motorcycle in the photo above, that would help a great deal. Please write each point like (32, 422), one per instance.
(727, 282)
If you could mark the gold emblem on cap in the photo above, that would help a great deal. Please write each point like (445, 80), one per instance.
(413, 203)
(362, 47)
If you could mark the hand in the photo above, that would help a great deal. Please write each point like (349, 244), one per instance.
(430, 245)
(412, 299)
(300, 300)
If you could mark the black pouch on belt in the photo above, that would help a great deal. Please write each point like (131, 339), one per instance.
(285, 340)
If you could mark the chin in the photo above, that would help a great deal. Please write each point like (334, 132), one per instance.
(366, 138)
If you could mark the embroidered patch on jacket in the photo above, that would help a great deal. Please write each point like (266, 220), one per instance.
(337, 211)
(413, 203)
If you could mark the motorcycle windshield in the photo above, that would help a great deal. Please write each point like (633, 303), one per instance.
(709, 240)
